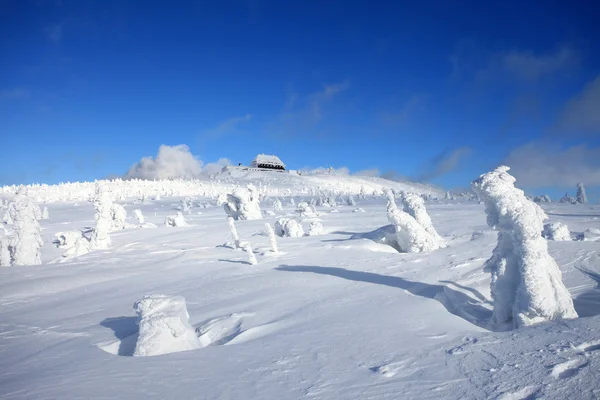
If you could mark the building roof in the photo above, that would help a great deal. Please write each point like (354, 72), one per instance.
(268, 160)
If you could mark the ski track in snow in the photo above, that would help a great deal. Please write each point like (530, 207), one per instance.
(334, 316)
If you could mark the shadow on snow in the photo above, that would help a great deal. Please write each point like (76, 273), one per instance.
(456, 302)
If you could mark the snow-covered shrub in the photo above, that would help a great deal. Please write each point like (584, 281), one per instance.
(359, 209)
(350, 201)
(291, 202)
(306, 210)
(163, 326)
(315, 228)
(243, 203)
(100, 238)
(272, 238)
(568, 199)
(175, 220)
(415, 207)
(448, 196)
(542, 199)
(556, 231)
(119, 216)
(526, 283)
(411, 237)
(139, 216)
(26, 246)
(581, 196)
(45, 214)
(287, 227)
(277, 206)
(250, 253)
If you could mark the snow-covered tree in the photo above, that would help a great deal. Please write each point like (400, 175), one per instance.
(306, 210)
(350, 201)
(26, 246)
(526, 283)
(243, 203)
(581, 196)
(542, 199)
(568, 199)
(118, 216)
(45, 214)
(315, 228)
(5, 258)
(163, 326)
(272, 238)
(287, 227)
(277, 206)
(250, 253)
(415, 207)
(411, 237)
(234, 234)
(103, 204)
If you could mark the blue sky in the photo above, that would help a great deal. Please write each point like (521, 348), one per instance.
(434, 90)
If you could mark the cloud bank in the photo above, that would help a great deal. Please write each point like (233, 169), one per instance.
(174, 162)
(542, 164)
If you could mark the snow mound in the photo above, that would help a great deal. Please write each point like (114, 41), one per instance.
(526, 285)
(163, 326)
(287, 227)
(557, 231)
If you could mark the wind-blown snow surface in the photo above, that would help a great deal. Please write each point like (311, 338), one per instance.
(335, 316)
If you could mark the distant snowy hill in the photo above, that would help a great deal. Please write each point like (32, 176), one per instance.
(269, 183)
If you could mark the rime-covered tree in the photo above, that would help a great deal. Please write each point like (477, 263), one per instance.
(103, 204)
(526, 285)
(26, 246)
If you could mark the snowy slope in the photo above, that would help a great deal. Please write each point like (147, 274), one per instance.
(335, 316)
(270, 184)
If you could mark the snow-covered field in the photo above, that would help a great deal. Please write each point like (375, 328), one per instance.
(332, 316)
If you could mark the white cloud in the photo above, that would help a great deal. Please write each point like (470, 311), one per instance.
(402, 116)
(215, 167)
(228, 127)
(530, 66)
(582, 112)
(543, 164)
(444, 163)
(170, 162)
(368, 172)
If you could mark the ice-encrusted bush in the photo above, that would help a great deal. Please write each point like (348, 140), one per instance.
(243, 203)
(568, 199)
(163, 326)
(287, 227)
(315, 228)
(350, 201)
(277, 206)
(526, 282)
(27, 243)
(556, 231)
(100, 238)
(542, 199)
(67, 239)
(410, 235)
(175, 220)
(581, 196)
(415, 207)
(306, 210)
